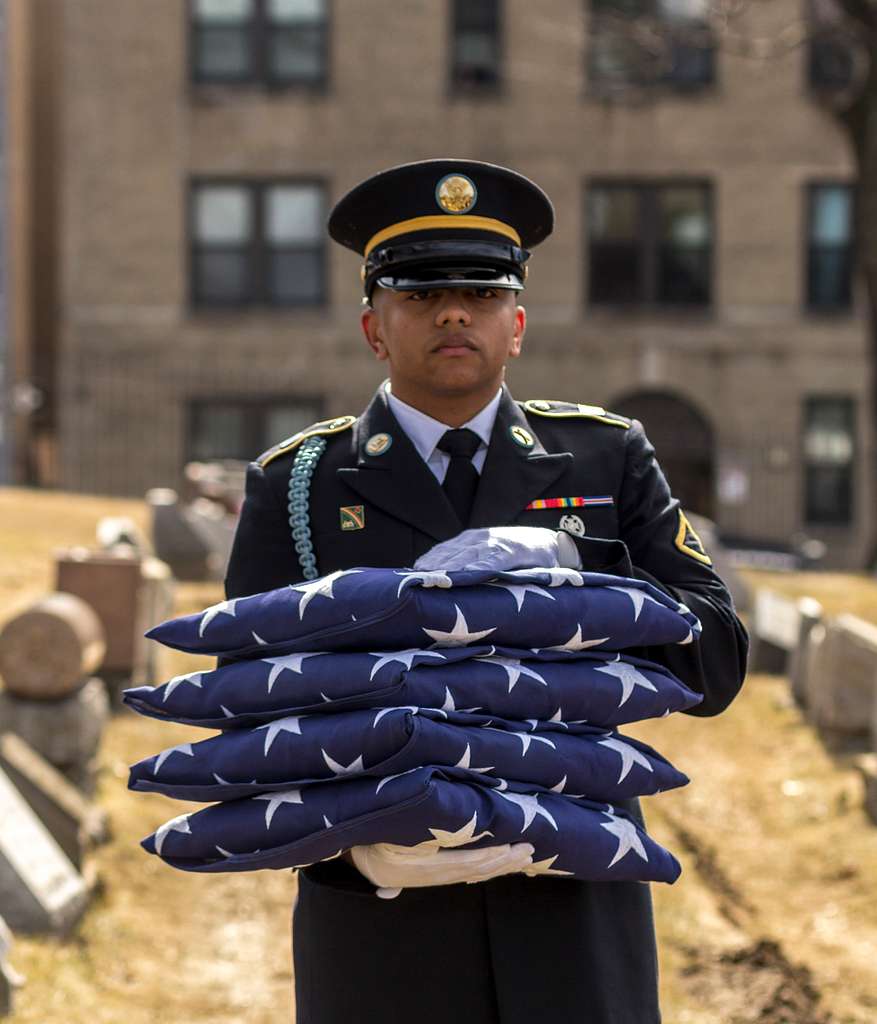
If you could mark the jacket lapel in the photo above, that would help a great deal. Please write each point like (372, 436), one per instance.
(397, 480)
(513, 474)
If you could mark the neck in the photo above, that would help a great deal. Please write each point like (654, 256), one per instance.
(454, 410)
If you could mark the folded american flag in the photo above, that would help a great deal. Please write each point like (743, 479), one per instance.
(387, 609)
(601, 689)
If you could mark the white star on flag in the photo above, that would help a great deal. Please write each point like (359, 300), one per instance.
(402, 707)
(576, 643)
(319, 588)
(183, 748)
(460, 635)
(557, 577)
(526, 738)
(389, 778)
(629, 677)
(261, 643)
(466, 762)
(288, 724)
(178, 824)
(445, 839)
(543, 867)
(639, 598)
(628, 754)
(513, 668)
(626, 834)
(427, 579)
(193, 677)
(355, 767)
(404, 657)
(530, 807)
(209, 614)
(449, 704)
(286, 796)
(290, 662)
(519, 592)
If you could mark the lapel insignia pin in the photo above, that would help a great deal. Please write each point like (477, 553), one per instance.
(573, 525)
(378, 444)
(522, 437)
(352, 517)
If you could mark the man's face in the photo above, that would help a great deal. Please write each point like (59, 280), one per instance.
(447, 341)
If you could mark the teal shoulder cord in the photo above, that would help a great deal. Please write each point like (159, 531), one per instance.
(306, 459)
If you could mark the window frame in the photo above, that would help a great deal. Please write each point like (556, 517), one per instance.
(811, 308)
(461, 89)
(258, 247)
(851, 401)
(259, 28)
(648, 245)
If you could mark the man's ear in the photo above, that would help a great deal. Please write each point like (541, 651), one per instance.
(370, 323)
(519, 331)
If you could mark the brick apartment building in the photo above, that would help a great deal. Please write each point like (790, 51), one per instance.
(189, 305)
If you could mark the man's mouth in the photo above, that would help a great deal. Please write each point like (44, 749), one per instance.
(455, 343)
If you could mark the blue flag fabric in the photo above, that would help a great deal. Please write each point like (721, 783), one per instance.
(386, 609)
(294, 751)
(300, 826)
(603, 690)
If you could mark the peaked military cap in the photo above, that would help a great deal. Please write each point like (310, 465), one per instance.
(443, 224)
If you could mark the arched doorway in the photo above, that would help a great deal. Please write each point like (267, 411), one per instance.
(683, 439)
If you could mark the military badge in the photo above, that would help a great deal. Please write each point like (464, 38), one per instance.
(378, 444)
(688, 541)
(573, 525)
(456, 193)
(352, 517)
(522, 437)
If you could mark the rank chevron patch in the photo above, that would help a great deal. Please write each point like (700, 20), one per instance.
(688, 541)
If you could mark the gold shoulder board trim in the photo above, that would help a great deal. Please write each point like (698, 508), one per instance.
(570, 409)
(686, 532)
(333, 426)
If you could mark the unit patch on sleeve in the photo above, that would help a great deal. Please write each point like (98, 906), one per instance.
(688, 541)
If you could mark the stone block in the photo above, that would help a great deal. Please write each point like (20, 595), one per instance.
(809, 616)
(774, 634)
(842, 675)
(40, 890)
(867, 767)
(66, 732)
(75, 824)
(175, 539)
(156, 605)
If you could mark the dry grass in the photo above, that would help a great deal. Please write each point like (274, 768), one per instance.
(774, 919)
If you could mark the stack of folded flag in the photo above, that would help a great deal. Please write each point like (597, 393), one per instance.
(426, 709)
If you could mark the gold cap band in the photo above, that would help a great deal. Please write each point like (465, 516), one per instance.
(439, 222)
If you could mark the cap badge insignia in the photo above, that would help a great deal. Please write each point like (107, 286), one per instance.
(456, 193)
(522, 437)
(352, 517)
(378, 444)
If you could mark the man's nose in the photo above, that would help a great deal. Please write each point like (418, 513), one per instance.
(452, 311)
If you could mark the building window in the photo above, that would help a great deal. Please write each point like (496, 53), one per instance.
(648, 43)
(829, 457)
(649, 244)
(272, 42)
(241, 428)
(830, 50)
(476, 45)
(830, 241)
(257, 243)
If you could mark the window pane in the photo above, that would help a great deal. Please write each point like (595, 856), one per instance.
(222, 53)
(293, 213)
(684, 216)
(296, 10)
(221, 278)
(683, 10)
(223, 214)
(689, 64)
(830, 215)
(613, 214)
(476, 14)
(219, 432)
(829, 451)
(297, 53)
(829, 278)
(614, 274)
(282, 421)
(683, 275)
(226, 11)
(295, 277)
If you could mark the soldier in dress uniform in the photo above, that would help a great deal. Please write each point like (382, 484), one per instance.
(444, 469)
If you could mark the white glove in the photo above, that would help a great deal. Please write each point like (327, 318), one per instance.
(393, 868)
(503, 547)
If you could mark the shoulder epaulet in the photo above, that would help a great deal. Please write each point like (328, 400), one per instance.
(565, 409)
(333, 426)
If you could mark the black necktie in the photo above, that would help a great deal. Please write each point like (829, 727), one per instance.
(461, 479)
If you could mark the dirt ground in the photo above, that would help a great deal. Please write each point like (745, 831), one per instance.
(774, 920)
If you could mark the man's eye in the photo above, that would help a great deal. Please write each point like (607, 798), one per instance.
(485, 293)
(420, 296)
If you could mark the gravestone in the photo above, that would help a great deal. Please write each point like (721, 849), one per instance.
(842, 677)
(867, 767)
(775, 626)
(809, 616)
(75, 824)
(175, 539)
(66, 732)
(51, 647)
(156, 605)
(40, 890)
